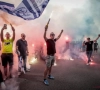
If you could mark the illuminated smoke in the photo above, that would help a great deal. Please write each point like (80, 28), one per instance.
(76, 23)
(33, 60)
(4, 17)
(32, 45)
(51, 14)
(67, 38)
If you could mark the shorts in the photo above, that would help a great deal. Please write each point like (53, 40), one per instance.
(50, 60)
(7, 58)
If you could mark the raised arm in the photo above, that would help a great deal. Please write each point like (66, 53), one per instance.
(13, 29)
(4, 27)
(97, 38)
(59, 35)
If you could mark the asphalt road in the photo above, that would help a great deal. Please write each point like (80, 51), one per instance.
(69, 75)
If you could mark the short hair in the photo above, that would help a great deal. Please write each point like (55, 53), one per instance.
(7, 33)
(88, 38)
(52, 33)
(22, 34)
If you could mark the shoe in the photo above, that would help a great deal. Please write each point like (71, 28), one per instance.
(19, 73)
(5, 78)
(88, 64)
(22, 70)
(3, 86)
(12, 76)
(28, 70)
(50, 77)
(46, 82)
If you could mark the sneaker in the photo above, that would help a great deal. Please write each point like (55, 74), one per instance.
(50, 77)
(88, 64)
(22, 70)
(28, 70)
(11, 76)
(46, 82)
(3, 86)
(5, 78)
(19, 73)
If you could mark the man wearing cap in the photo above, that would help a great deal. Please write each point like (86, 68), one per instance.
(51, 50)
(89, 48)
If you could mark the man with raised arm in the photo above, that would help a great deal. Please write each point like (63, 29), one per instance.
(89, 48)
(51, 50)
(7, 50)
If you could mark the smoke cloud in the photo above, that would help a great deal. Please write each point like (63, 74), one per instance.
(78, 20)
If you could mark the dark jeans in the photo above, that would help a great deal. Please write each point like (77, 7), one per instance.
(1, 77)
(89, 54)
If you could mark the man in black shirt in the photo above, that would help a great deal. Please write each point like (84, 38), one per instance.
(22, 51)
(51, 50)
(89, 48)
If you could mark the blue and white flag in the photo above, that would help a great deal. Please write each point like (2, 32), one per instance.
(27, 9)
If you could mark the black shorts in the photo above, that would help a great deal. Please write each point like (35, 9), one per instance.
(7, 58)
